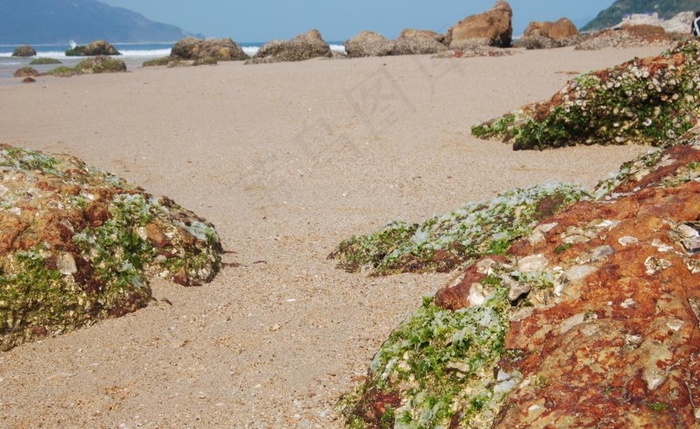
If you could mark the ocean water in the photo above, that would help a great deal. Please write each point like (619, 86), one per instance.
(133, 54)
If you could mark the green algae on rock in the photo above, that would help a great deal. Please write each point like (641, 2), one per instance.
(92, 65)
(44, 61)
(646, 101)
(445, 241)
(78, 245)
(436, 369)
(590, 319)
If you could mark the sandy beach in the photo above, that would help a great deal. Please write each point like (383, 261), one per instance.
(286, 160)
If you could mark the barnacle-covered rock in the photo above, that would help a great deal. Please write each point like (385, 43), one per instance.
(646, 101)
(78, 245)
(24, 51)
(368, 44)
(576, 325)
(194, 49)
(627, 36)
(302, 47)
(417, 42)
(445, 241)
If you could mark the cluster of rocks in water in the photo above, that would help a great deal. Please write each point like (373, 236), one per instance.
(489, 33)
(92, 65)
(572, 309)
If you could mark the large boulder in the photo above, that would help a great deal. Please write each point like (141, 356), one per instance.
(98, 47)
(493, 28)
(24, 51)
(197, 49)
(558, 30)
(417, 42)
(591, 320)
(302, 47)
(368, 44)
(550, 34)
(643, 101)
(84, 246)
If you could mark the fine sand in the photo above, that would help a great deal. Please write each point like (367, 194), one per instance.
(286, 160)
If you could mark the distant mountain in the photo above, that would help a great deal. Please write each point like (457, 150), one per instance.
(59, 21)
(665, 8)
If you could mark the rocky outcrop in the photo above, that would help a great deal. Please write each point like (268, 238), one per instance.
(98, 47)
(591, 319)
(368, 44)
(94, 65)
(26, 72)
(78, 245)
(627, 37)
(24, 51)
(615, 334)
(197, 49)
(419, 42)
(493, 28)
(302, 47)
(546, 34)
(101, 64)
(646, 101)
(679, 23)
(448, 240)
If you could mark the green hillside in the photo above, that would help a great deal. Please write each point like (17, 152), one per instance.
(614, 14)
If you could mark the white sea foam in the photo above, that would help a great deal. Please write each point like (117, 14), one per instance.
(252, 50)
(145, 53)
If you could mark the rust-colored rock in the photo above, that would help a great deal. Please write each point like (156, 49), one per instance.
(493, 27)
(616, 341)
(550, 34)
(558, 30)
(78, 245)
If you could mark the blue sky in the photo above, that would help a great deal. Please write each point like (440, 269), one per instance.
(264, 20)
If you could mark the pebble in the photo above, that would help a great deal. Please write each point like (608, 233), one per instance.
(579, 272)
(532, 263)
(628, 240)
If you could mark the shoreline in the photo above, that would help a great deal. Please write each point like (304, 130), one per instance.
(286, 160)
